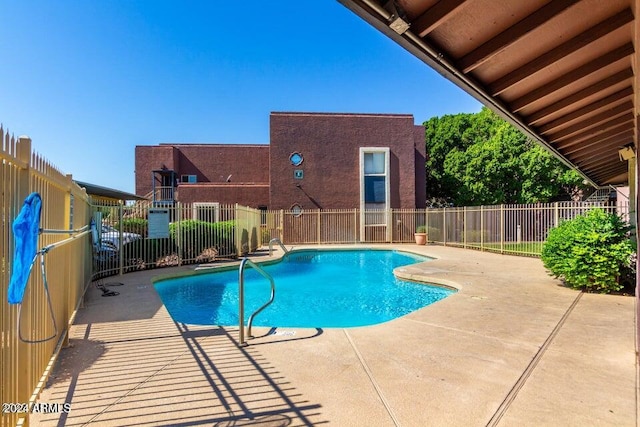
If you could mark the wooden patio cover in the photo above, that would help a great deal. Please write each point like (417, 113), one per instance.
(563, 71)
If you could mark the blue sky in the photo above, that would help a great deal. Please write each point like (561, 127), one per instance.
(90, 80)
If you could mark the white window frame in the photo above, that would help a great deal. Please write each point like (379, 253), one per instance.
(387, 190)
(216, 210)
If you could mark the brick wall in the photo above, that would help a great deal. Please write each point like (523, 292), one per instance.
(211, 163)
(263, 175)
(330, 146)
(149, 158)
(252, 195)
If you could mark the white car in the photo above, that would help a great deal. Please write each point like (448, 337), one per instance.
(111, 235)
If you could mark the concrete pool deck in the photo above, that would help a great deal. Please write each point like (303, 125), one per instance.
(511, 348)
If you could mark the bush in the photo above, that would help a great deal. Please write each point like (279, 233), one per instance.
(134, 225)
(589, 251)
(197, 236)
(421, 229)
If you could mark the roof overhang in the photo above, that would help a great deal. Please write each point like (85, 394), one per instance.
(561, 71)
(98, 191)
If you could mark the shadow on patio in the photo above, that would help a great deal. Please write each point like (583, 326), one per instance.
(162, 373)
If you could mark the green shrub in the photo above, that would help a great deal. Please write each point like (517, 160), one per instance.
(589, 251)
(197, 236)
(134, 225)
(421, 229)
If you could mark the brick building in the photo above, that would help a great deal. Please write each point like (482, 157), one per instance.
(313, 160)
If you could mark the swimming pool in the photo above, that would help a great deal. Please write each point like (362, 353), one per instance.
(314, 288)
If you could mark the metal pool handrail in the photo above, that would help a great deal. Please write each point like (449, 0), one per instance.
(264, 274)
(278, 241)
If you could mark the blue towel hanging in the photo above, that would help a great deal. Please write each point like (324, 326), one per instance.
(26, 228)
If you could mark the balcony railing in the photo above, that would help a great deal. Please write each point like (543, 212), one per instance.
(164, 194)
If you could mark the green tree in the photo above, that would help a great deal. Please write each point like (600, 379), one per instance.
(443, 134)
(476, 159)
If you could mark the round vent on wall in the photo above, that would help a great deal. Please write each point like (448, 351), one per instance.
(296, 159)
(296, 210)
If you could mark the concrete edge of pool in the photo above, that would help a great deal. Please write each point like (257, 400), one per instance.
(511, 347)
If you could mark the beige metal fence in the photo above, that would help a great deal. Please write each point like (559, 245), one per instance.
(144, 236)
(24, 367)
(512, 229)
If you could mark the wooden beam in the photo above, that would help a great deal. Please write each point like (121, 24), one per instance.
(579, 152)
(601, 103)
(606, 170)
(606, 134)
(570, 46)
(512, 34)
(575, 97)
(592, 122)
(433, 16)
(595, 155)
(615, 125)
(570, 77)
(613, 164)
(601, 161)
(616, 140)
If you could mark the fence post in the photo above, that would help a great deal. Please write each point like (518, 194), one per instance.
(389, 225)
(319, 228)
(356, 229)
(502, 229)
(444, 226)
(69, 304)
(238, 233)
(426, 222)
(178, 236)
(23, 355)
(120, 245)
(556, 219)
(464, 227)
(481, 227)
(281, 225)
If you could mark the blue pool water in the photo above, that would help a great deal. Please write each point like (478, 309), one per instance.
(322, 289)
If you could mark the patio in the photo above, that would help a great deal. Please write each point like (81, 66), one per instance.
(511, 347)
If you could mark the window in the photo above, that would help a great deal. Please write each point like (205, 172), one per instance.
(209, 212)
(374, 186)
(190, 179)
